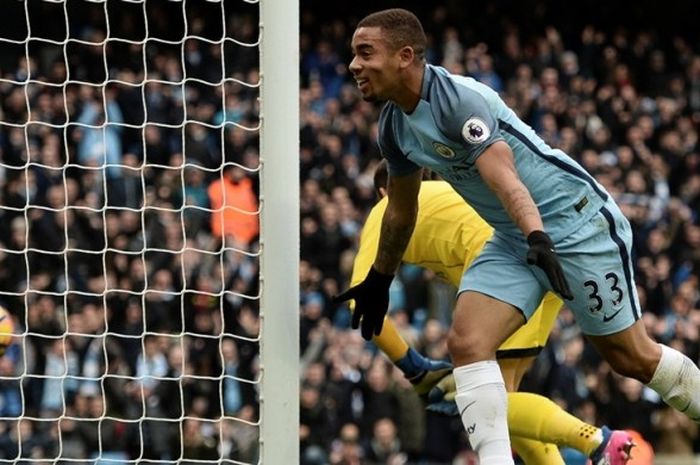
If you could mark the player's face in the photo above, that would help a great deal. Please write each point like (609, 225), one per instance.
(375, 66)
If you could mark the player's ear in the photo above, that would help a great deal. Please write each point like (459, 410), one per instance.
(407, 56)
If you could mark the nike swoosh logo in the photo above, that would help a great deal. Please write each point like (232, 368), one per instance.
(607, 318)
(465, 408)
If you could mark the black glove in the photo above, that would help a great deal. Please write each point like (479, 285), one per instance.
(541, 253)
(441, 398)
(371, 302)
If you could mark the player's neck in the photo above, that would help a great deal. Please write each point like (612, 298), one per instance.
(411, 90)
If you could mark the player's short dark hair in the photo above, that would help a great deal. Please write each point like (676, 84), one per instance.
(402, 28)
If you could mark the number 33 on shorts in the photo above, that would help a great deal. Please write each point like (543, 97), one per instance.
(605, 303)
(612, 281)
(597, 262)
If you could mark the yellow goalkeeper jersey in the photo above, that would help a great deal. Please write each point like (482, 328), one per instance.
(448, 234)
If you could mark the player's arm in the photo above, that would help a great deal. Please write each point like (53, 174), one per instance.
(389, 340)
(497, 168)
(398, 222)
(372, 294)
(421, 371)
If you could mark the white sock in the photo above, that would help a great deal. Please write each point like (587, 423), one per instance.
(482, 402)
(677, 380)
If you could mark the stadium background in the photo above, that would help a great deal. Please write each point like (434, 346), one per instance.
(616, 86)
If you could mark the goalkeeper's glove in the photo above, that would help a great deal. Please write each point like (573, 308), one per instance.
(441, 398)
(422, 372)
(371, 302)
(541, 253)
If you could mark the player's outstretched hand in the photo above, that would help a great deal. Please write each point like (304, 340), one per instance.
(541, 253)
(371, 302)
(441, 398)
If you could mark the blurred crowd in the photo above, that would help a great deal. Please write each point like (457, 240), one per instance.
(128, 217)
(163, 176)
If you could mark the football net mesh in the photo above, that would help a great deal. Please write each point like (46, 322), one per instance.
(129, 253)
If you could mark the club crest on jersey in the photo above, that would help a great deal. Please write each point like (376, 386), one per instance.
(443, 150)
(475, 131)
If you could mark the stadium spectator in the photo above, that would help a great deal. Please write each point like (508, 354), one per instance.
(384, 446)
(234, 205)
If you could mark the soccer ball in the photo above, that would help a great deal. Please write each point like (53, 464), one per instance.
(7, 329)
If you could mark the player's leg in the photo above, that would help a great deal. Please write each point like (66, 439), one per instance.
(607, 310)
(532, 426)
(531, 451)
(421, 371)
(667, 371)
(529, 339)
(480, 323)
(497, 294)
(533, 417)
(535, 452)
(515, 357)
(630, 352)
(538, 426)
(390, 341)
(413, 365)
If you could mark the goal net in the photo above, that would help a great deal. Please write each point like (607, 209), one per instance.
(147, 243)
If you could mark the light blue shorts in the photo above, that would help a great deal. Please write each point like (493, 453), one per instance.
(597, 263)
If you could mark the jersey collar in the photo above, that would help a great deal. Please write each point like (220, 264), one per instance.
(428, 77)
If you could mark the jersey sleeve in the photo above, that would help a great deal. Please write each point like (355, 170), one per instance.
(463, 114)
(398, 163)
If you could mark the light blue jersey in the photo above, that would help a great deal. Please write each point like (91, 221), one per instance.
(456, 120)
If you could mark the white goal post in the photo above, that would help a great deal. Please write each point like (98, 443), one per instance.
(280, 227)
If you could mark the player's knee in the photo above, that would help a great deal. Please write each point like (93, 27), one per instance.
(468, 346)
